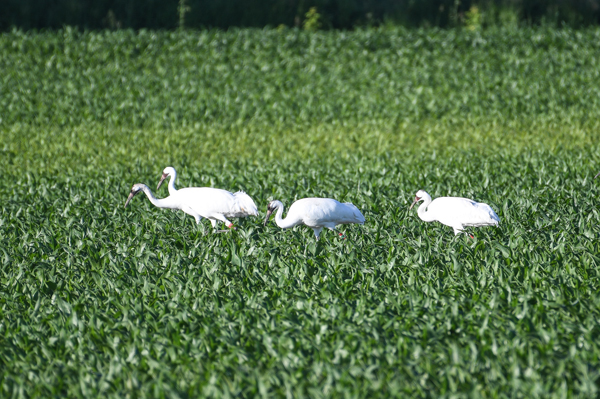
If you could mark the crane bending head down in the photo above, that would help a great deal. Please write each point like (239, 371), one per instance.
(421, 194)
(273, 205)
(134, 190)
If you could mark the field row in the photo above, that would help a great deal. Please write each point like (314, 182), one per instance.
(290, 77)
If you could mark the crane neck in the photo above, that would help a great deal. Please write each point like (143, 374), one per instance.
(172, 188)
(283, 223)
(422, 210)
(159, 203)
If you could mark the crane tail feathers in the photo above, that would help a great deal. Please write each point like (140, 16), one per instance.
(494, 216)
(244, 204)
(358, 216)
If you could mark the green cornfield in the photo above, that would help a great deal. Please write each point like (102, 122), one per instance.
(98, 300)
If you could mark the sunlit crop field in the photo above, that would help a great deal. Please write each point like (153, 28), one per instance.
(101, 301)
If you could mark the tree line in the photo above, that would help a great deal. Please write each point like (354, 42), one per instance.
(308, 14)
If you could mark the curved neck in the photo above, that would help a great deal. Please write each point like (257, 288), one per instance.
(160, 203)
(422, 210)
(172, 187)
(283, 223)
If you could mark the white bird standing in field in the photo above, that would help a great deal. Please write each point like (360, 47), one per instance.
(315, 213)
(455, 212)
(213, 202)
(202, 202)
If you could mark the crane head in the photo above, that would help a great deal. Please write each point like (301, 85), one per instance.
(271, 208)
(134, 190)
(168, 171)
(418, 197)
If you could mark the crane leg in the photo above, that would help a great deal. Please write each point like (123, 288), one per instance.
(467, 234)
(224, 220)
(340, 234)
(196, 217)
(317, 232)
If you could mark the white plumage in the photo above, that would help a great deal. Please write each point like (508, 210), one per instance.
(455, 212)
(316, 213)
(201, 202)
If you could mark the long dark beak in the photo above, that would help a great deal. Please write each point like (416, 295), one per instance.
(269, 212)
(414, 202)
(162, 179)
(597, 175)
(131, 195)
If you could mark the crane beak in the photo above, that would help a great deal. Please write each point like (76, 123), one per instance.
(163, 177)
(597, 175)
(269, 212)
(131, 195)
(414, 202)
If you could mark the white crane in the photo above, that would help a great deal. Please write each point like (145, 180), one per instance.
(202, 202)
(213, 202)
(455, 212)
(315, 213)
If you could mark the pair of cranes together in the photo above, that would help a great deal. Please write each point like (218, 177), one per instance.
(317, 213)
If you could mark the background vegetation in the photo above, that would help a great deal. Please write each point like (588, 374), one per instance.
(339, 14)
(97, 300)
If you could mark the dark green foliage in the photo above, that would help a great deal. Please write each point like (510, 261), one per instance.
(338, 14)
(101, 301)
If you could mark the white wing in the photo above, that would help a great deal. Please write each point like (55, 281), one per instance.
(207, 201)
(326, 212)
(454, 211)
